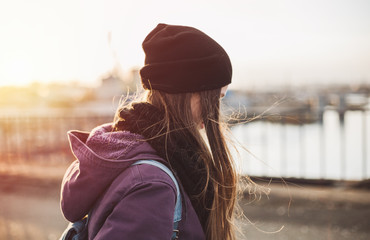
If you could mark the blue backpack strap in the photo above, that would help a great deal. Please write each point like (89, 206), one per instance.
(178, 205)
(76, 230)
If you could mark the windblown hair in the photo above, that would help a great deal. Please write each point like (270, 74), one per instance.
(213, 152)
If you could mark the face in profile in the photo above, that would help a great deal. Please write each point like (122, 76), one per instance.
(196, 110)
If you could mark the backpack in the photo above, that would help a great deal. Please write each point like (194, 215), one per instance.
(79, 230)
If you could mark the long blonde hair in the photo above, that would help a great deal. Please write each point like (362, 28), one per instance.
(215, 156)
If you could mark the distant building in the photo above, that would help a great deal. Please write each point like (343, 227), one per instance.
(134, 80)
(111, 87)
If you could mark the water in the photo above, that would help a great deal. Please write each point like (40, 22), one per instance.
(327, 150)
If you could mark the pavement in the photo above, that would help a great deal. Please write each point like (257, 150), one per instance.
(308, 211)
(29, 209)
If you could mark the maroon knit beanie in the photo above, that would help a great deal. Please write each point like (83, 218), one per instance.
(182, 59)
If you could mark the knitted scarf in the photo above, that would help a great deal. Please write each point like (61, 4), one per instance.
(181, 154)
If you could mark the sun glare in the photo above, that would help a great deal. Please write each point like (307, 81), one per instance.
(18, 72)
(67, 40)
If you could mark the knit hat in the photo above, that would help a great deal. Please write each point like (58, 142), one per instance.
(182, 59)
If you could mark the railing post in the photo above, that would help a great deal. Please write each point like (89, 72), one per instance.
(322, 146)
(364, 143)
(303, 159)
(283, 148)
(342, 145)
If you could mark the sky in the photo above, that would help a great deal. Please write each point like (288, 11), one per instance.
(270, 42)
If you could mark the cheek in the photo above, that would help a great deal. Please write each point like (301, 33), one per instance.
(195, 110)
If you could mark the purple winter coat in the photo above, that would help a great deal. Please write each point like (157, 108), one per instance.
(127, 202)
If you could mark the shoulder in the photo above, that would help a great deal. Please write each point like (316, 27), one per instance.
(144, 176)
(141, 197)
(148, 172)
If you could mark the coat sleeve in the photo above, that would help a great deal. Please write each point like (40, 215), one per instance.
(144, 213)
(80, 189)
(83, 183)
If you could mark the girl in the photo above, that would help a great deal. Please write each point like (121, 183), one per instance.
(185, 74)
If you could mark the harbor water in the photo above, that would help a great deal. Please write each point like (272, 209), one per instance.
(331, 149)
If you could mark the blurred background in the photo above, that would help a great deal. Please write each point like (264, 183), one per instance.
(301, 91)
